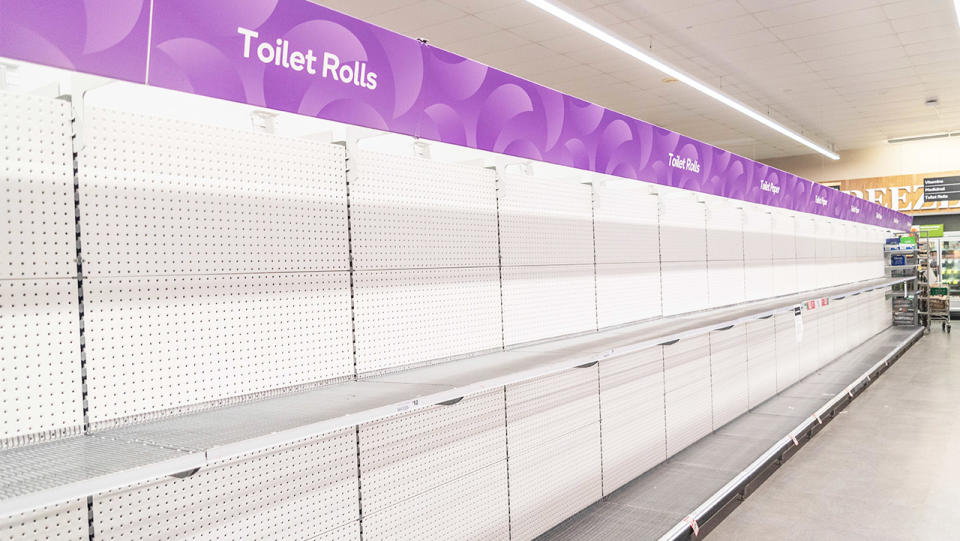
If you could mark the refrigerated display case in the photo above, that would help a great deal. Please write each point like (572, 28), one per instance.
(949, 255)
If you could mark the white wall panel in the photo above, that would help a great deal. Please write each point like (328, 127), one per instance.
(726, 283)
(787, 349)
(63, 522)
(724, 230)
(627, 292)
(553, 436)
(684, 286)
(409, 212)
(552, 482)
(405, 317)
(545, 222)
(409, 454)
(687, 396)
(548, 301)
(730, 383)
(632, 407)
(784, 231)
(40, 384)
(759, 278)
(441, 470)
(625, 222)
(806, 238)
(38, 235)
(757, 234)
(473, 506)
(162, 196)
(761, 360)
(683, 223)
(807, 274)
(293, 492)
(164, 343)
(784, 277)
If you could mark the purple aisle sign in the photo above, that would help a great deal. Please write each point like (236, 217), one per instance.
(296, 56)
(103, 37)
(289, 55)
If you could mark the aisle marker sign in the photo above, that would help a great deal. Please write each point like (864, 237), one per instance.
(941, 189)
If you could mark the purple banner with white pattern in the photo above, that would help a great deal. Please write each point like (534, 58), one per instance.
(296, 56)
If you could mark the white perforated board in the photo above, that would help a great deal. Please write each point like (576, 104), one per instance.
(545, 222)
(40, 383)
(683, 223)
(408, 212)
(724, 231)
(787, 348)
(632, 412)
(625, 222)
(162, 196)
(473, 506)
(542, 410)
(757, 233)
(551, 482)
(38, 232)
(63, 522)
(413, 316)
(726, 282)
(684, 286)
(759, 279)
(730, 385)
(293, 492)
(406, 456)
(688, 400)
(627, 292)
(547, 301)
(761, 360)
(167, 343)
(784, 231)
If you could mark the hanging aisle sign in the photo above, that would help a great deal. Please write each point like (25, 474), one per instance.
(300, 57)
(941, 189)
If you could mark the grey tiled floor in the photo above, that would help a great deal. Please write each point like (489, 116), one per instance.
(888, 468)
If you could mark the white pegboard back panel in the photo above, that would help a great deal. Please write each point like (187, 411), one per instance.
(807, 274)
(552, 482)
(543, 410)
(63, 522)
(474, 506)
(158, 345)
(761, 360)
(40, 380)
(729, 377)
(784, 231)
(38, 236)
(632, 409)
(757, 234)
(726, 283)
(161, 196)
(759, 279)
(787, 348)
(408, 212)
(627, 292)
(292, 492)
(683, 223)
(685, 287)
(806, 238)
(724, 231)
(687, 392)
(625, 222)
(405, 456)
(785, 279)
(408, 317)
(547, 301)
(545, 222)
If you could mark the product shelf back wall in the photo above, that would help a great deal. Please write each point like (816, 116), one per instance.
(133, 302)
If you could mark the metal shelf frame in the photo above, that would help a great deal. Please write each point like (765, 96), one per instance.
(63, 470)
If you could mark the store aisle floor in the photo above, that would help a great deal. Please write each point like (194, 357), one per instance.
(888, 468)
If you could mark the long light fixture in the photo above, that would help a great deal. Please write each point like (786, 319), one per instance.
(956, 4)
(617, 43)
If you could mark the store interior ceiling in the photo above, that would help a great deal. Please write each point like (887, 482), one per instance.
(845, 73)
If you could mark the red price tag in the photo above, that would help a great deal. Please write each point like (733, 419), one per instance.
(811, 305)
(824, 301)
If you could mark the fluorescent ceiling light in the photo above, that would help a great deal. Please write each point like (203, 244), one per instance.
(919, 137)
(618, 43)
(956, 4)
